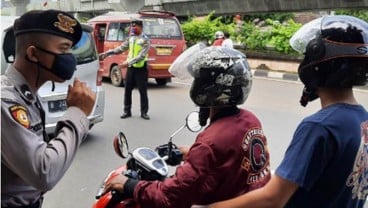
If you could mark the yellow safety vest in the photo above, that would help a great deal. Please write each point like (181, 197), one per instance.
(135, 46)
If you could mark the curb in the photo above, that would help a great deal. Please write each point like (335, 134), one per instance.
(275, 75)
(287, 76)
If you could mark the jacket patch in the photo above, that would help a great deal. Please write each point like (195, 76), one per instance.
(20, 115)
(257, 159)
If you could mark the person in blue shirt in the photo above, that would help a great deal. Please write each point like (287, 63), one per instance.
(326, 163)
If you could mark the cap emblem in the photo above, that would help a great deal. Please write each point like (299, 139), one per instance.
(65, 23)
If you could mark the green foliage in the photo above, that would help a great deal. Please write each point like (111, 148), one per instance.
(280, 35)
(83, 19)
(273, 36)
(259, 32)
(204, 28)
(253, 37)
(362, 14)
(269, 36)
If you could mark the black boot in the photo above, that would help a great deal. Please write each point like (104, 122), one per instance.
(145, 116)
(125, 115)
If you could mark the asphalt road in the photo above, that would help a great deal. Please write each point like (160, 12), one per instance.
(275, 102)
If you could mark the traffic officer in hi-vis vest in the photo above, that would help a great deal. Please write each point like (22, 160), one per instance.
(32, 163)
(138, 44)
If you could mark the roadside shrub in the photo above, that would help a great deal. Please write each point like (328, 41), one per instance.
(280, 35)
(253, 37)
(202, 29)
(259, 32)
(262, 35)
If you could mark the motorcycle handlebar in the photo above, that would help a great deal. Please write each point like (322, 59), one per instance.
(170, 153)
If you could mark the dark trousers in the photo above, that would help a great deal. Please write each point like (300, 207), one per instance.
(136, 77)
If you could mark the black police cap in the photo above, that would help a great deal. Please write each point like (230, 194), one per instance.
(51, 21)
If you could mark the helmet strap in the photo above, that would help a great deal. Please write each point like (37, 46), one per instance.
(204, 114)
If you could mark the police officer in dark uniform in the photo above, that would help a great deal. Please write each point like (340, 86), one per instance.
(138, 45)
(31, 163)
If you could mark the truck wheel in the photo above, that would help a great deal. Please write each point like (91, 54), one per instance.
(116, 77)
(161, 82)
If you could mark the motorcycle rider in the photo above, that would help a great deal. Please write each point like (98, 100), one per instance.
(230, 157)
(219, 38)
(326, 162)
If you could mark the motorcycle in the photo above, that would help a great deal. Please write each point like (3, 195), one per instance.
(143, 164)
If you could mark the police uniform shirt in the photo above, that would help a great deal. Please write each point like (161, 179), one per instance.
(31, 166)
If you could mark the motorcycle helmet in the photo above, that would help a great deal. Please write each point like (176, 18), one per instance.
(336, 54)
(222, 76)
(219, 34)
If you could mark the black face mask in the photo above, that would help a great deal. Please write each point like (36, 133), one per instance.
(64, 64)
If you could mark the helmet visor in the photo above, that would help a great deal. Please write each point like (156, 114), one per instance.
(179, 68)
(316, 28)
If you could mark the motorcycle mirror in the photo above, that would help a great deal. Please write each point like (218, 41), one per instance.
(192, 122)
(121, 145)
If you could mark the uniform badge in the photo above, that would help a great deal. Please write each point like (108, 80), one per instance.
(20, 115)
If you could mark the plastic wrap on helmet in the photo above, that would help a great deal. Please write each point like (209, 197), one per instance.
(315, 28)
(213, 57)
(308, 32)
(222, 77)
(346, 23)
(179, 68)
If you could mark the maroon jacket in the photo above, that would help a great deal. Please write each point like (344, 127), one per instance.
(230, 157)
(218, 42)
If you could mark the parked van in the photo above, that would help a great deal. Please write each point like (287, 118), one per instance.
(163, 29)
(54, 102)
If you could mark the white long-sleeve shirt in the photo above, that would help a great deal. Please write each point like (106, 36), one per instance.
(228, 43)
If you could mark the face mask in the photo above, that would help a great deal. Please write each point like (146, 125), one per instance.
(64, 64)
(133, 31)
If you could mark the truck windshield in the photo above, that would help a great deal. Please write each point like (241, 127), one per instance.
(166, 28)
